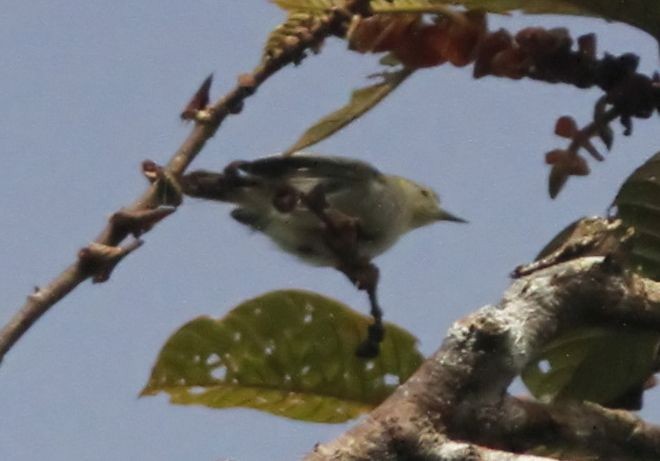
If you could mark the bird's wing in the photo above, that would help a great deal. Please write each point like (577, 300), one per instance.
(352, 187)
(323, 169)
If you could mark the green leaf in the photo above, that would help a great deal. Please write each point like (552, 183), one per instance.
(411, 6)
(527, 6)
(638, 205)
(378, 6)
(644, 14)
(595, 364)
(290, 353)
(361, 101)
(306, 5)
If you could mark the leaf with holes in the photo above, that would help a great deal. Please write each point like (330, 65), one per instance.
(290, 353)
(601, 365)
(362, 101)
(638, 205)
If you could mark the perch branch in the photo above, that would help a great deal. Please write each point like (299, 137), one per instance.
(116, 230)
(458, 397)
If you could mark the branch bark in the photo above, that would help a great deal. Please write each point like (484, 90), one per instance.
(39, 302)
(456, 405)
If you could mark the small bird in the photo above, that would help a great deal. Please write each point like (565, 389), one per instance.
(328, 211)
(384, 207)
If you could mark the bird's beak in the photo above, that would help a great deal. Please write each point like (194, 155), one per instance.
(446, 216)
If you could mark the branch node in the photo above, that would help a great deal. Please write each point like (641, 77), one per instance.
(204, 116)
(151, 170)
(168, 189)
(98, 260)
(247, 83)
(235, 108)
(196, 109)
(36, 296)
(137, 222)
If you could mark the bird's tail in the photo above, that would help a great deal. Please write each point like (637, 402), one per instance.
(204, 184)
(214, 186)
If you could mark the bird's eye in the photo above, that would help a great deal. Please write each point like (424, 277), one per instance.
(424, 192)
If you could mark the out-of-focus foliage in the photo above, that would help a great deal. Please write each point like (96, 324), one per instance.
(643, 14)
(378, 6)
(638, 204)
(290, 353)
(604, 365)
(600, 365)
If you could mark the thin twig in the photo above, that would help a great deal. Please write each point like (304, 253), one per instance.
(44, 298)
(583, 136)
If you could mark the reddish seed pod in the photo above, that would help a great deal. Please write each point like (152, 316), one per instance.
(463, 38)
(567, 162)
(578, 166)
(536, 40)
(554, 156)
(511, 63)
(587, 45)
(492, 44)
(459, 47)
(362, 36)
(423, 48)
(380, 33)
(565, 127)
(394, 31)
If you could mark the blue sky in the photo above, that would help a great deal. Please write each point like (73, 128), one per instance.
(91, 90)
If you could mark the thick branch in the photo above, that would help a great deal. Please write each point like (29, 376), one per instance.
(44, 298)
(459, 394)
(521, 425)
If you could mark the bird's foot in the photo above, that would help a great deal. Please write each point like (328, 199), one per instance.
(370, 347)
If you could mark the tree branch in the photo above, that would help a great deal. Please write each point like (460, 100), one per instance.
(574, 427)
(459, 393)
(38, 303)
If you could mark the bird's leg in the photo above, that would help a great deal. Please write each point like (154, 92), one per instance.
(340, 230)
(341, 233)
(286, 199)
(232, 170)
(365, 276)
(316, 202)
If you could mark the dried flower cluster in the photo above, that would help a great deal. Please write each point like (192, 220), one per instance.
(417, 43)
(548, 55)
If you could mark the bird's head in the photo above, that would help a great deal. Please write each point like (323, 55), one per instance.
(424, 204)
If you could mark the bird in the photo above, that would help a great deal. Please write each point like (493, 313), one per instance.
(326, 210)
(384, 207)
